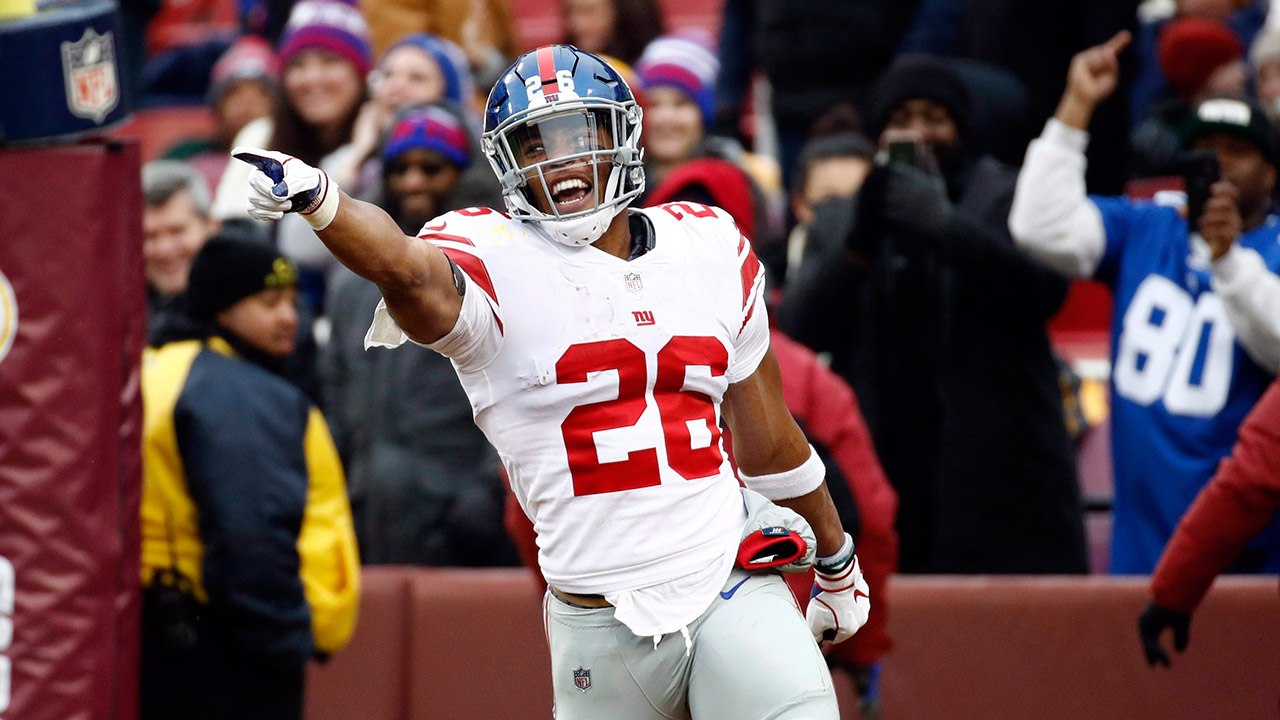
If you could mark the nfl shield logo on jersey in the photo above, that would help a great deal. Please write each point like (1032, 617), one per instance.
(89, 68)
(582, 678)
(633, 282)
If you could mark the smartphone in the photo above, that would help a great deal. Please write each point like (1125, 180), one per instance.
(905, 151)
(1199, 170)
(910, 152)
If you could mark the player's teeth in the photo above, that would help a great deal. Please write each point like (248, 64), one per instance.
(568, 184)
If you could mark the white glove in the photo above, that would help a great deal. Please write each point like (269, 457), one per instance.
(282, 183)
(840, 601)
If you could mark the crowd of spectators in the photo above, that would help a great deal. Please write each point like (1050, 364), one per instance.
(902, 241)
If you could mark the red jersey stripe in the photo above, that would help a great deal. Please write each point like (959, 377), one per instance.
(433, 236)
(474, 268)
(479, 274)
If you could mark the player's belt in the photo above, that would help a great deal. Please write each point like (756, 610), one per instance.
(582, 601)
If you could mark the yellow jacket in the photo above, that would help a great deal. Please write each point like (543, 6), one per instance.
(243, 493)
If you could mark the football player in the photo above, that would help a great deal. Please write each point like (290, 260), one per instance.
(600, 347)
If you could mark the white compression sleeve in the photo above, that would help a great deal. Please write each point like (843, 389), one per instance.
(1052, 217)
(1251, 298)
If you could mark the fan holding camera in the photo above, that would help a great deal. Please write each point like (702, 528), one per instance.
(936, 319)
(1196, 324)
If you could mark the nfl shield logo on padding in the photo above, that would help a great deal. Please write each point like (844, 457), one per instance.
(634, 285)
(582, 678)
(89, 68)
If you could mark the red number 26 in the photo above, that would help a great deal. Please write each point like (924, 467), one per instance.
(677, 408)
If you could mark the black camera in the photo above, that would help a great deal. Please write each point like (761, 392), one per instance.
(1199, 170)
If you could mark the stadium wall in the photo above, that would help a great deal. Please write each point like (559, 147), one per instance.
(445, 643)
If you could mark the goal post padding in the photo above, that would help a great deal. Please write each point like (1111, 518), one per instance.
(73, 305)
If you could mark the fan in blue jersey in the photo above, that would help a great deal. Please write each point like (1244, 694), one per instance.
(1196, 323)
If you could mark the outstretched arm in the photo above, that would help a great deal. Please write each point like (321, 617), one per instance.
(415, 278)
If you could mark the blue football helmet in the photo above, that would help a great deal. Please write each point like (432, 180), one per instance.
(562, 132)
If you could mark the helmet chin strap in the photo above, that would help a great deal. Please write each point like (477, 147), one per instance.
(582, 230)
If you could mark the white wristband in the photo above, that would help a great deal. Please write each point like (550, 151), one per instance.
(789, 483)
(835, 564)
(325, 207)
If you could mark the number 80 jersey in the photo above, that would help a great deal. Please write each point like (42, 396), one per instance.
(599, 381)
(1182, 383)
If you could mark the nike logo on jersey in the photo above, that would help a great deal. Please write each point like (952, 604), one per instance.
(857, 592)
(729, 593)
(643, 317)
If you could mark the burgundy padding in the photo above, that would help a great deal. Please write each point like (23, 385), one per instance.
(70, 416)
(477, 646)
(369, 678)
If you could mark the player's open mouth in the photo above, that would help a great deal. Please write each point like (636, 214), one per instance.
(571, 194)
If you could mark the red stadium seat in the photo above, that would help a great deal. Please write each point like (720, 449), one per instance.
(538, 21)
(1083, 323)
(159, 129)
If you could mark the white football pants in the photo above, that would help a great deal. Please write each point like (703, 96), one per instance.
(752, 658)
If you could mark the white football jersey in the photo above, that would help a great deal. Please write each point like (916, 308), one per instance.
(599, 381)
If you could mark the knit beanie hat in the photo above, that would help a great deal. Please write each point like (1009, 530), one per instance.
(249, 58)
(919, 77)
(1192, 48)
(331, 25)
(227, 270)
(1231, 115)
(683, 61)
(458, 86)
(428, 128)
(838, 145)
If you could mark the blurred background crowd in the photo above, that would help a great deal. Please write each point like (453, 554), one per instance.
(871, 151)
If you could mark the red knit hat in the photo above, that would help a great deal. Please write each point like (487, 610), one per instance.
(1192, 48)
(249, 58)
